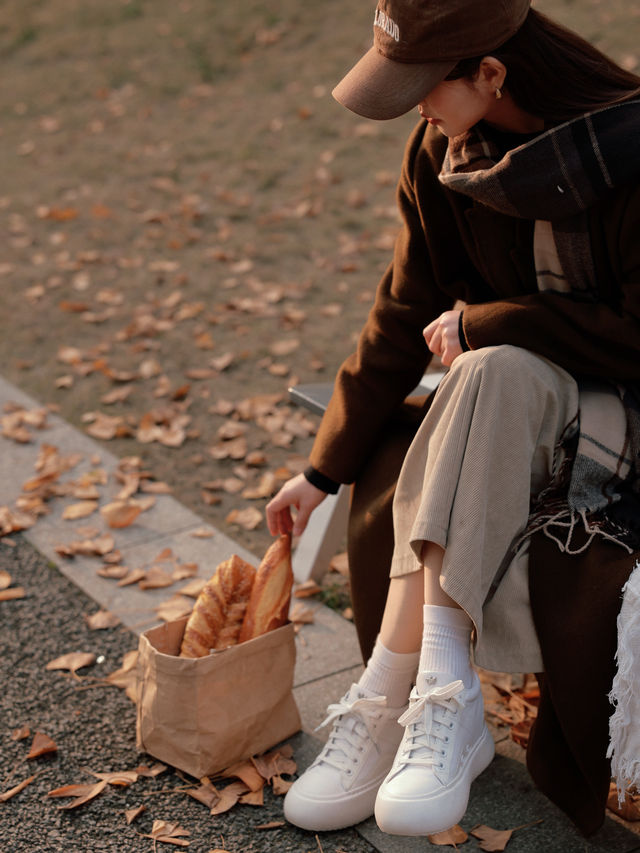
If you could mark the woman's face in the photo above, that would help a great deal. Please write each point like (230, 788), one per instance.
(454, 106)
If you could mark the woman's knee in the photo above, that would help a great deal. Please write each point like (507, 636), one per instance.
(501, 360)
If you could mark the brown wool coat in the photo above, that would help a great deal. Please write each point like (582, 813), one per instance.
(451, 248)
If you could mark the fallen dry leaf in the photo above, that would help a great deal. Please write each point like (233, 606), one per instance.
(169, 833)
(247, 772)
(193, 588)
(307, 589)
(131, 814)
(102, 619)
(115, 572)
(156, 578)
(81, 793)
(301, 614)
(248, 518)
(491, 839)
(175, 608)
(202, 533)
(120, 513)
(72, 661)
(629, 809)
(41, 745)
(21, 733)
(120, 778)
(11, 594)
(133, 576)
(79, 510)
(449, 837)
(150, 772)
(16, 789)
(5, 579)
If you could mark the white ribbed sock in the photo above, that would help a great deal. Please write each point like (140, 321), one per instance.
(390, 674)
(445, 642)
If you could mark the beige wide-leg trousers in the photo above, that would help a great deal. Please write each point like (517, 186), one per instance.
(484, 449)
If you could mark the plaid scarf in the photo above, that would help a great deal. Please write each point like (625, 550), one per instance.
(554, 179)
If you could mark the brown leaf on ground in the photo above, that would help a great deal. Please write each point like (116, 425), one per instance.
(184, 570)
(72, 661)
(102, 619)
(275, 763)
(193, 588)
(253, 798)
(115, 572)
(79, 510)
(174, 608)
(280, 786)
(119, 778)
(307, 589)
(41, 745)
(247, 772)
(249, 518)
(97, 547)
(5, 579)
(229, 796)
(205, 794)
(491, 839)
(449, 837)
(118, 395)
(81, 793)
(133, 576)
(169, 833)
(120, 513)
(150, 772)
(629, 809)
(301, 614)
(12, 594)
(7, 795)
(155, 487)
(202, 533)
(266, 487)
(21, 734)
(156, 578)
(131, 814)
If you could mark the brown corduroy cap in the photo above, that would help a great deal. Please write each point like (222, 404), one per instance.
(416, 43)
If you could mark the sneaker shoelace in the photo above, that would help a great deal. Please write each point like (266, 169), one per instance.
(354, 722)
(429, 720)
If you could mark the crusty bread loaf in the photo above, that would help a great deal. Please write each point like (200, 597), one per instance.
(268, 606)
(218, 614)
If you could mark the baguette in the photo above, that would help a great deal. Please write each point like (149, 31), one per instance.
(218, 614)
(268, 606)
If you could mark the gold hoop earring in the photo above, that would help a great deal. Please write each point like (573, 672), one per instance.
(498, 94)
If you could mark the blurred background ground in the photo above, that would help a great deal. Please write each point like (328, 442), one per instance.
(190, 221)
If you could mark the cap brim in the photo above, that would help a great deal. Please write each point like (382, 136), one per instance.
(380, 88)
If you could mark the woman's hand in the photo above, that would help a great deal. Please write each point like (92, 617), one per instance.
(443, 338)
(299, 493)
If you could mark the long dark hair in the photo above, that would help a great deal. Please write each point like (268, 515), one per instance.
(555, 74)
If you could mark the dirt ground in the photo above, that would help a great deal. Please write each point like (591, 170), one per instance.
(191, 222)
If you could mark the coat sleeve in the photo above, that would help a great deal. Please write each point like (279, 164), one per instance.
(597, 339)
(391, 355)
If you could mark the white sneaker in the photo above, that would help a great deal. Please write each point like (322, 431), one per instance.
(446, 744)
(339, 788)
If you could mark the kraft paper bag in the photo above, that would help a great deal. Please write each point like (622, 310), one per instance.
(204, 714)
